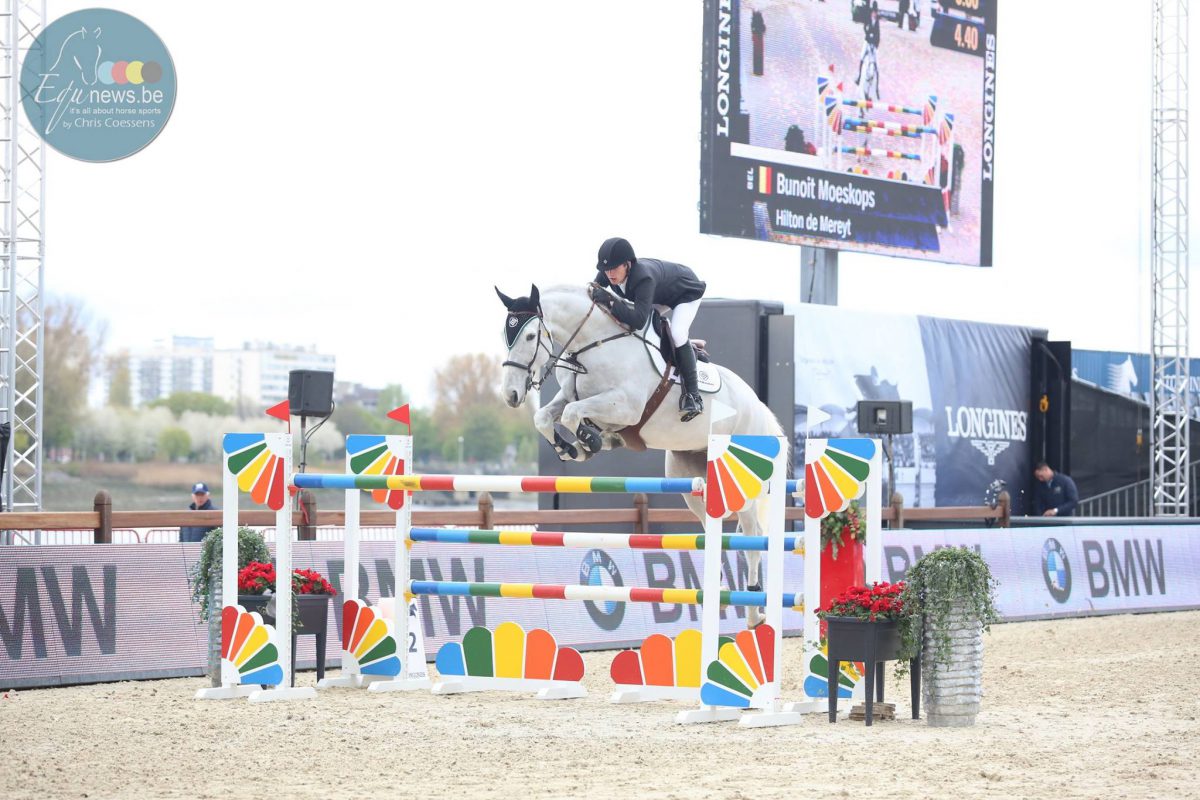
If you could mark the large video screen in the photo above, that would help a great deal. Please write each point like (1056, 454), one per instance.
(860, 125)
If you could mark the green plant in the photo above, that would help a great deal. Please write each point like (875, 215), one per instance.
(251, 547)
(943, 586)
(841, 523)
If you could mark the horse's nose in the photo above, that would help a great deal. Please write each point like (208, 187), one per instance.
(513, 399)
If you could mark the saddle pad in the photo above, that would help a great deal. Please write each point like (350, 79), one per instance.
(708, 378)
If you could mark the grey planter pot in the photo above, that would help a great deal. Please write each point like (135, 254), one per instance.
(952, 692)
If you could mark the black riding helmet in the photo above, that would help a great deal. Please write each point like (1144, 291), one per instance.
(613, 253)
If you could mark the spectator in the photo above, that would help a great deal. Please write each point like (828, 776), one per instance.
(1055, 494)
(200, 502)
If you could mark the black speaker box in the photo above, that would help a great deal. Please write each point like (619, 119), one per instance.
(310, 393)
(885, 416)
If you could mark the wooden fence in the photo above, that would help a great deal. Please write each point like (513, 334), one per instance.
(102, 519)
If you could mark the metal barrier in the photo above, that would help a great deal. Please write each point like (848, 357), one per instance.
(1133, 500)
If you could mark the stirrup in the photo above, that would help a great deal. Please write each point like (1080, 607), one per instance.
(692, 406)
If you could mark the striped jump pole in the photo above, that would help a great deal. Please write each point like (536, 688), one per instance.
(875, 151)
(607, 541)
(595, 594)
(507, 483)
(884, 125)
(879, 105)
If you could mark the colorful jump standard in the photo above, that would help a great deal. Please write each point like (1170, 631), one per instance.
(376, 652)
(253, 653)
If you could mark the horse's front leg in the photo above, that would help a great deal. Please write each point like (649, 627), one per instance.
(754, 583)
(749, 524)
(547, 417)
(607, 410)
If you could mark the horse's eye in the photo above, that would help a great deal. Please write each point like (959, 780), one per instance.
(529, 337)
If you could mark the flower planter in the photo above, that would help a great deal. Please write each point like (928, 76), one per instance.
(872, 643)
(311, 609)
(953, 690)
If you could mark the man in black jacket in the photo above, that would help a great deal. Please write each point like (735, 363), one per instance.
(648, 282)
(1054, 494)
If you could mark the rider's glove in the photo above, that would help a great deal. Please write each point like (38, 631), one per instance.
(601, 298)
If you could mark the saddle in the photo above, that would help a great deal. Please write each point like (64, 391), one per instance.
(661, 326)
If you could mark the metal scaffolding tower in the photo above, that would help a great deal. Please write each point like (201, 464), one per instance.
(22, 257)
(1170, 407)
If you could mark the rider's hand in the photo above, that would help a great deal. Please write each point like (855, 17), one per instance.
(600, 297)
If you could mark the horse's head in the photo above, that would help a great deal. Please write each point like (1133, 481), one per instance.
(81, 51)
(529, 347)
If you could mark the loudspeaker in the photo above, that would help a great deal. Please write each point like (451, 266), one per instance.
(885, 416)
(310, 393)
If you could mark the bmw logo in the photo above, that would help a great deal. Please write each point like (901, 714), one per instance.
(1056, 570)
(598, 569)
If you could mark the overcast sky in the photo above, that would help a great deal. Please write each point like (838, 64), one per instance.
(359, 178)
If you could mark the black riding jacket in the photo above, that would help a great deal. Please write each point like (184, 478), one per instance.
(652, 282)
(871, 30)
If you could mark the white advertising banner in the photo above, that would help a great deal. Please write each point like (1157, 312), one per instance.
(90, 613)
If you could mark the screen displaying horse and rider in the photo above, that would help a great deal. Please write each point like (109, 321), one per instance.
(862, 125)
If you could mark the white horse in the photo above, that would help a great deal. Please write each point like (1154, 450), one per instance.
(607, 373)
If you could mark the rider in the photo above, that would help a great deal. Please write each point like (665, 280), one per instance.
(648, 282)
(871, 35)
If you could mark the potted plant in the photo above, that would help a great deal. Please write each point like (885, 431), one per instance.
(951, 595)
(310, 591)
(866, 624)
(865, 613)
(205, 581)
(842, 536)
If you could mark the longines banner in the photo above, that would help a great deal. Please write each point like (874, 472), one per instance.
(968, 383)
(111, 612)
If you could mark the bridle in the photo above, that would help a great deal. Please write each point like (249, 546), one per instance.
(514, 321)
(563, 359)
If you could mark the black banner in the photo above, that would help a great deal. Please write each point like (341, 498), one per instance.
(979, 384)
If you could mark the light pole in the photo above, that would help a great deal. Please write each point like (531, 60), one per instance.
(460, 452)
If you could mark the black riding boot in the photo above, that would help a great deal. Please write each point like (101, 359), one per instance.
(690, 402)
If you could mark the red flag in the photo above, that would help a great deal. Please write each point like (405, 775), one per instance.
(401, 415)
(281, 411)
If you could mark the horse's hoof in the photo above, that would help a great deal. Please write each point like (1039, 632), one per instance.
(752, 625)
(566, 451)
(589, 437)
